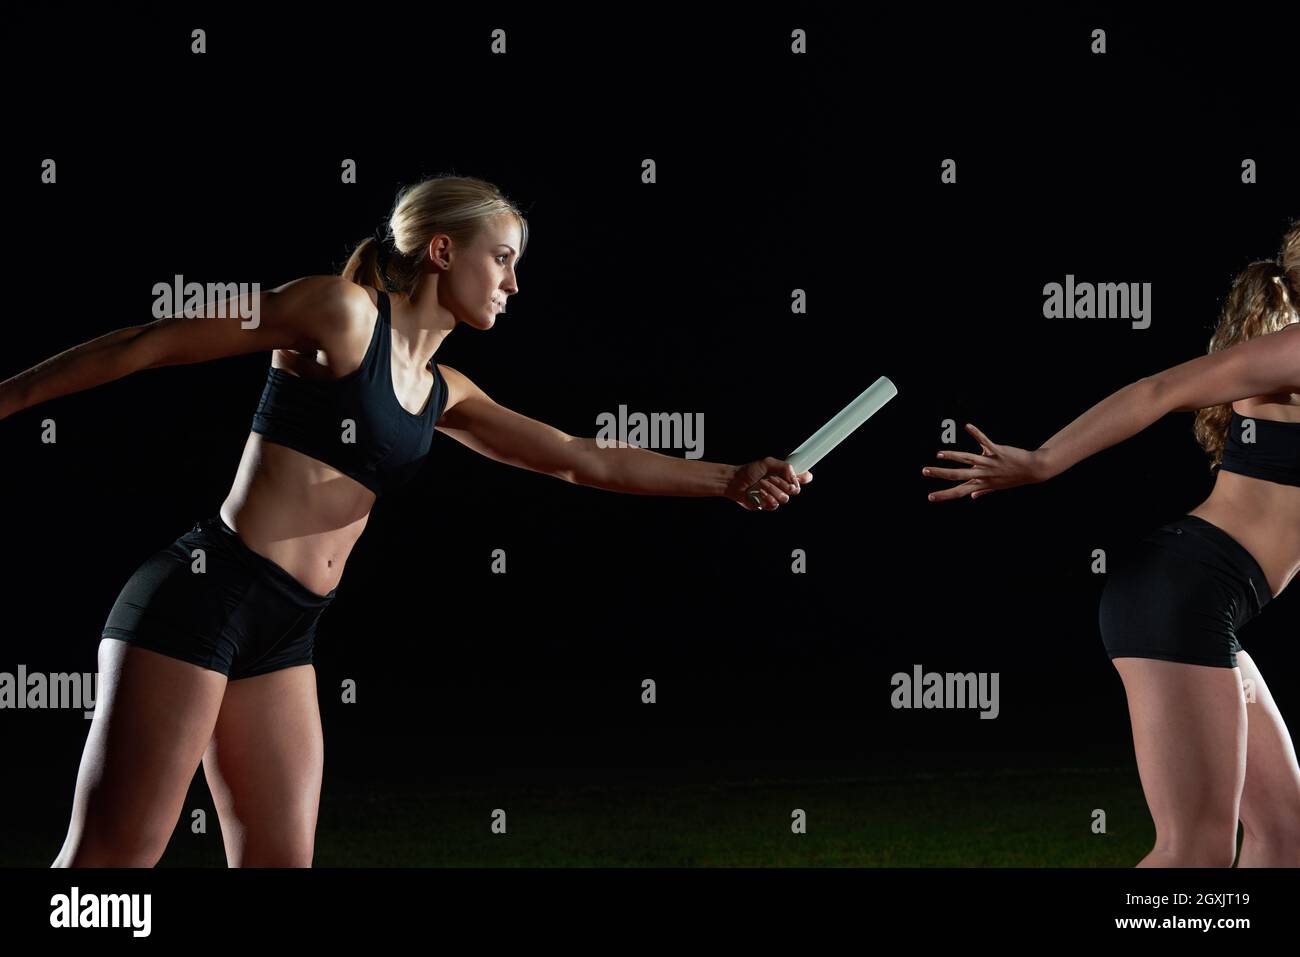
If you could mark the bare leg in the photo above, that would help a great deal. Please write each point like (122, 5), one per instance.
(264, 768)
(1270, 801)
(1189, 734)
(153, 718)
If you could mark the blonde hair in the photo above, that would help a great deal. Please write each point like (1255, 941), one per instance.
(1264, 298)
(458, 206)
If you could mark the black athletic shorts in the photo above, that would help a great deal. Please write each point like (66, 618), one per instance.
(1182, 595)
(234, 611)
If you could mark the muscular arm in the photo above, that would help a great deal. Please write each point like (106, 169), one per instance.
(503, 435)
(294, 315)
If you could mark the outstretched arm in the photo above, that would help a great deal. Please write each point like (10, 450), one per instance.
(472, 418)
(1261, 366)
(90, 364)
(296, 315)
(475, 420)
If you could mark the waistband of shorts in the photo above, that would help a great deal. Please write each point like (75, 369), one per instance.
(285, 583)
(1232, 551)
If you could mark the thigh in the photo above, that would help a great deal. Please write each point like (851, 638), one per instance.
(154, 716)
(1189, 733)
(1270, 800)
(264, 766)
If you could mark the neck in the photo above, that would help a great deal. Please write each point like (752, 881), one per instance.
(420, 321)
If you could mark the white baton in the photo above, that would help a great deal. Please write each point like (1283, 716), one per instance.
(836, 430)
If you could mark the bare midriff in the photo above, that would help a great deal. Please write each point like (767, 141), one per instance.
(1264, 517)
(297, 511)
(294, 509)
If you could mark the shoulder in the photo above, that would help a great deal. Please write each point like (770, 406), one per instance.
(329, 304)
(323, 290)
(1285, 340)
(349, 302)
(459, 387)
(1288, 337)
(335, 314)
(1279, 350)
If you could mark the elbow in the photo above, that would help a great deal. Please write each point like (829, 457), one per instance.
(125, 351)
(136, 350)
(139, 348)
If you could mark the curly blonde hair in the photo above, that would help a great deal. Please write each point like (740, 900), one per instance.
(1264, 298)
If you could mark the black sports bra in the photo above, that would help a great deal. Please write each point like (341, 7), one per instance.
(354, 424)
(1273, 454)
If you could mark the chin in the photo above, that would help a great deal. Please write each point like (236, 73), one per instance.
(477, 320)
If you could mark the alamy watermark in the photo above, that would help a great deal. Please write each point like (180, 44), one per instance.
(75, 909)
(37, 690)
(948, 690)
(661, 430)
(1105, 300)
(189, 300)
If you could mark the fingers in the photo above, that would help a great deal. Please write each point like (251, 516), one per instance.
(769, 493)
(978, 466)
(970, 458)
(776, 487)
(951, 475)
(966, 488)
(981, 438)
(973, 479)
(786, 472)
(778, 467)
(760, 498)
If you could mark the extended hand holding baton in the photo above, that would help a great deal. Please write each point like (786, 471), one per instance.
(836, 430)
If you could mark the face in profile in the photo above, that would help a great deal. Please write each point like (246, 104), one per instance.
(482, 277)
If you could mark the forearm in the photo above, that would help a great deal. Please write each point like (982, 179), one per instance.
(639, 471)
(73, 370)
(1112, 420)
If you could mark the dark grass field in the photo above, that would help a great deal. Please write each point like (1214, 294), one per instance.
(957, 818)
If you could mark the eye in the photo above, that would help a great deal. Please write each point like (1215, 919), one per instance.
(504, 256)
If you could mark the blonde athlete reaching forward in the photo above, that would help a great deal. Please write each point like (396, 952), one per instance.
(1211, 745)
(206, 654)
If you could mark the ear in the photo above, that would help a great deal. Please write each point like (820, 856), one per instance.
(439, 248)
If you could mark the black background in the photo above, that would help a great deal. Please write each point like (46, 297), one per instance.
(775, 172)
